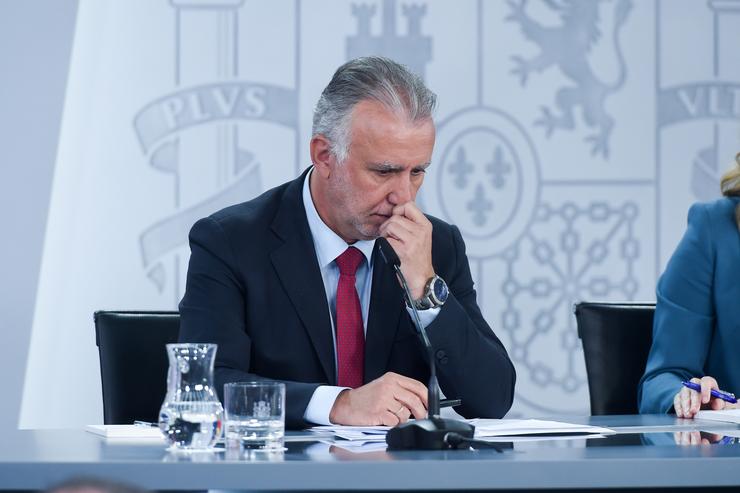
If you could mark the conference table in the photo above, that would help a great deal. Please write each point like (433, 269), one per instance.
(648, 451)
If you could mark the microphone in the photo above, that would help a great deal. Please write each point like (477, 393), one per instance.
(389, 255)
(433, 433)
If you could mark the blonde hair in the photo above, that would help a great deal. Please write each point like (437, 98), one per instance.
(730, 185)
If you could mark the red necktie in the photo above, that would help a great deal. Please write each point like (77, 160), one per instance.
(350, 333)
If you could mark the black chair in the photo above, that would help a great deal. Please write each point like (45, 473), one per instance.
(133, 362)
(616, 341)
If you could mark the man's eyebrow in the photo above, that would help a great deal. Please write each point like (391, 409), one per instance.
(387, 166)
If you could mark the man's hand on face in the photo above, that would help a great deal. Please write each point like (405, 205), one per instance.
(388, 400)
(410, 234)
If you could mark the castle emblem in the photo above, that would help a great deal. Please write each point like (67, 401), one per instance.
(413, 50)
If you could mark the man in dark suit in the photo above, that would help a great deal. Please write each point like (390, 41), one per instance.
(291, 287)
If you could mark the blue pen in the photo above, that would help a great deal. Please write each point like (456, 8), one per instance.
(725, 396)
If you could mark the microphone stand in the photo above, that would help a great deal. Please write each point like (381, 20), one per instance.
(434, 432)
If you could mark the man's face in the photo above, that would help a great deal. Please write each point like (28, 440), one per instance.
(384, 168)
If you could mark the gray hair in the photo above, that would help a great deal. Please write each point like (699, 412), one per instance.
(368, 78)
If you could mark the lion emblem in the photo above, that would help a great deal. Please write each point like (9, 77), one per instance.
(567, 47)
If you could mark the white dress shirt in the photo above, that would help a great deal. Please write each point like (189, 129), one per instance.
(329, 246)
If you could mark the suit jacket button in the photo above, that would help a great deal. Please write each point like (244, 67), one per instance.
(441, 354)
(443, 361)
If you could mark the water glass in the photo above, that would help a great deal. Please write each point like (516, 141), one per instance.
(255, 415)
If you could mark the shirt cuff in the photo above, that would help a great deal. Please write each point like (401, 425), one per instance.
(319, 407)
(425, 316)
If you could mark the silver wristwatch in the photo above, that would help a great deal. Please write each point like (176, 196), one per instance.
(435, 294)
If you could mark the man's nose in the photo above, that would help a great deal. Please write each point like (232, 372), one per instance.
(402, 191)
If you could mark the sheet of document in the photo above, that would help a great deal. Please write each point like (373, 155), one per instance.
(522, 427)
(362, 433)
(540, 438)
(727, 415)
(131, 432)
(358, 446)
(509, 428)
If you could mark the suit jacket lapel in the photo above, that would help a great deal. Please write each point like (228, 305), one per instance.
(386, 306)
(296, 266)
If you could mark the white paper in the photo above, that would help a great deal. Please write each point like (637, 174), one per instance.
(368, 437)
(727, 415)
(509, 428)
(538, 438)
(126, 431)
(361, 433)
(364, 429)
(520, 427)
(359, 447)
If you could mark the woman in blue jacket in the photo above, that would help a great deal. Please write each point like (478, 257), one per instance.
(696, 332)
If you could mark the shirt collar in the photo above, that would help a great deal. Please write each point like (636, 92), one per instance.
(327, 243)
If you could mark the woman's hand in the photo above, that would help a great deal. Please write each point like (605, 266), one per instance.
(687, 402)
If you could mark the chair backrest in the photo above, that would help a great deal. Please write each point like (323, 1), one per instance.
(133, 362)
(616, 341)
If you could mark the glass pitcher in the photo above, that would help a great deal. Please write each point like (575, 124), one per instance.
(191, 414)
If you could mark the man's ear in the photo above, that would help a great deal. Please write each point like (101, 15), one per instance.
(321, 156)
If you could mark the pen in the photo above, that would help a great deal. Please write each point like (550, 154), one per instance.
(719, 394)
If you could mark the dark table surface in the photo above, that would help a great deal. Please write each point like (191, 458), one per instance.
(652, 451)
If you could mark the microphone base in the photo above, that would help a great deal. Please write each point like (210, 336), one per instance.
(428, 434)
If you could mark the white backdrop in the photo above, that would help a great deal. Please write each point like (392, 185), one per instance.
(572, 137)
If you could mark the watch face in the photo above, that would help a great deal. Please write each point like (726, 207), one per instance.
(439, 288)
